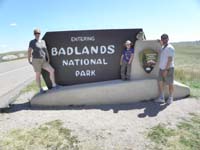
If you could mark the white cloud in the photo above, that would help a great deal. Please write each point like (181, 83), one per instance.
(3, 45)
(13, 24)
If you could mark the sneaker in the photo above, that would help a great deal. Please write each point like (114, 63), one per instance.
(170, 100)
(41, 91)
(160, 100)
(56, 87)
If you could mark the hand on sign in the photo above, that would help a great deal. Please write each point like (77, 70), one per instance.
(158, 40)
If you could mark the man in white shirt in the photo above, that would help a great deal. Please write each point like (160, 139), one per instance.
(166, 72)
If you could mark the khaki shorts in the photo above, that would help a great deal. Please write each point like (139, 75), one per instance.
(38, 64)
(169, 79)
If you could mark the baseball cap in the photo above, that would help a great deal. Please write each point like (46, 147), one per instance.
(128, 42)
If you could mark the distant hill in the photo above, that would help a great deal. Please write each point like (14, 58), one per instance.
(9, 56)
(187, 43)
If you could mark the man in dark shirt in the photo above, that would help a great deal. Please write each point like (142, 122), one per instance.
(38, 50)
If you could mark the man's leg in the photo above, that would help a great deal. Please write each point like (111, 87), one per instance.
(37, 64)
(161, 98)
(161, 89)
(51, 73)
(38, 80)
(170, 82)
(171, 90)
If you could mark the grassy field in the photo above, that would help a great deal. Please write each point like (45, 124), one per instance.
(187, 66)
(32, 87)
(186, 135)
(49, 136)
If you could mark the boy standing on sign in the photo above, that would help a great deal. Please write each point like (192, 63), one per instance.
(126, 60)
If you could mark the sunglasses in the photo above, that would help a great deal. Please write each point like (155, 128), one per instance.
(36, 33)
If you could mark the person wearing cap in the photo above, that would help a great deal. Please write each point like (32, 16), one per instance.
(40, 59)
(126, 60)
(166, 72)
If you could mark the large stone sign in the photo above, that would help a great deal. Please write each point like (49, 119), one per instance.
(86, 56)
(108, 44)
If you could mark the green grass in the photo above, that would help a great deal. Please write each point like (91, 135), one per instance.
(49, 136)
(32, 87)
(187, 66)
(186, 136)
(190, 78)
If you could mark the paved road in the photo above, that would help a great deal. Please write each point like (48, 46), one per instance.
(13, 74)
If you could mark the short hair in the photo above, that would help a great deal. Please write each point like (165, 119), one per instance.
(36, 31)
(164, 36)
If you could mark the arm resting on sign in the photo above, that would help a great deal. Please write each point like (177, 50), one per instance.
(46, 51)
(131, 59)
(29, 54)
(121, 59)
(158, 49)
(48, 58)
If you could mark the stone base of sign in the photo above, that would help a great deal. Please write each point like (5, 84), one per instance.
(107, 92)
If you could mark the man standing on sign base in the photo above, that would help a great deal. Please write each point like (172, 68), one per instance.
(166, 72)
(38, 50)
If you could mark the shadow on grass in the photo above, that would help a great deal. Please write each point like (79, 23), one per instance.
(151, 109)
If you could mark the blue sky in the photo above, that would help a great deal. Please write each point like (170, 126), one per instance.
(179, 18)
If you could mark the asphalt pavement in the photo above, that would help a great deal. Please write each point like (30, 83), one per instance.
(13, 75)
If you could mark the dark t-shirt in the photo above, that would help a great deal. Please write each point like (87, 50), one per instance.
(127, 54)
(39, 48)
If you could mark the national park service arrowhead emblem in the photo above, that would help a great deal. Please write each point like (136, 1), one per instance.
(148, 59)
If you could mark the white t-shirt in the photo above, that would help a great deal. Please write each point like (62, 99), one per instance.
(166, 52)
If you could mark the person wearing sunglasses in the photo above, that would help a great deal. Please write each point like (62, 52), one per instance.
(38, 57)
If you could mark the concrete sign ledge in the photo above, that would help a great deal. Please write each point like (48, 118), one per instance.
(107, 92)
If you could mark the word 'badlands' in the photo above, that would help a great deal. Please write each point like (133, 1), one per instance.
(110, 49)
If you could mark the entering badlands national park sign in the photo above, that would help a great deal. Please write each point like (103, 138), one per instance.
(86, 56)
